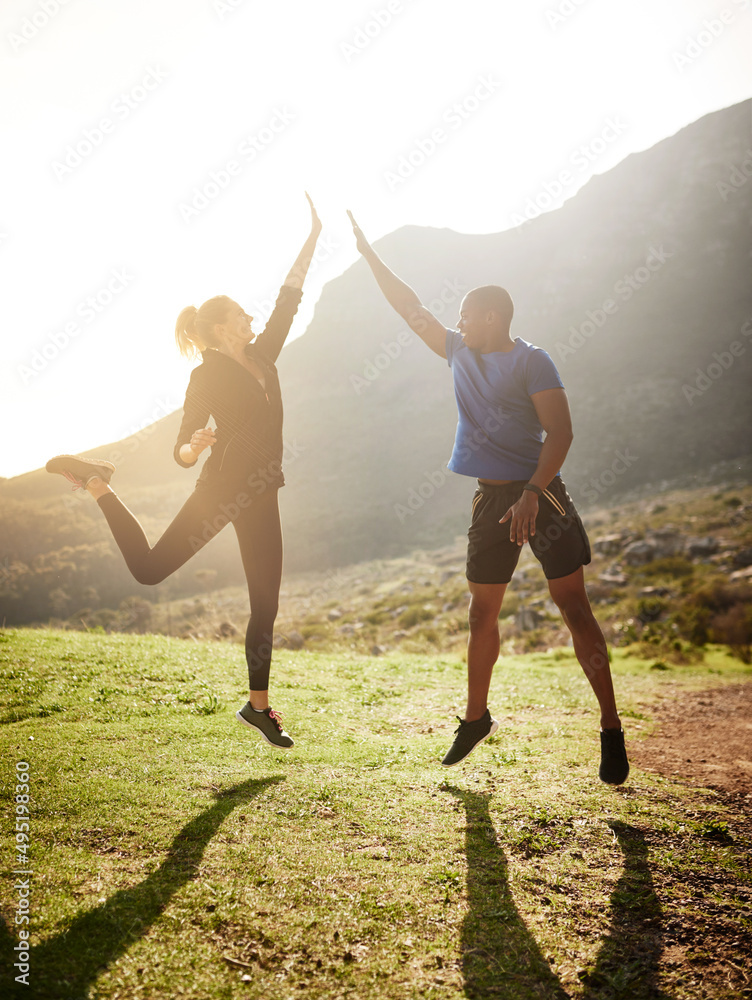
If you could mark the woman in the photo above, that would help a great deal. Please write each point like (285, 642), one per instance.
(236, 384)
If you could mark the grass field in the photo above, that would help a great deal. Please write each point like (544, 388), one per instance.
(176, 855)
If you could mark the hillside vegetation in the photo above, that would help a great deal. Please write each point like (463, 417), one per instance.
(639, 288)
(671, 570)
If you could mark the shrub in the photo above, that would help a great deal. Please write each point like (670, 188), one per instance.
(673, 567)
(734, 628)
(718, 612)
(415, 615)
(650, 609)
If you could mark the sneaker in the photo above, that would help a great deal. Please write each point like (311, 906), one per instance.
(80, 470)
(468, 736)
(614, 764)
(268, 723)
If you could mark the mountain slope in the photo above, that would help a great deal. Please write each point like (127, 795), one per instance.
(638, 287)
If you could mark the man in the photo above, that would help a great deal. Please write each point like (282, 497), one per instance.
(509, 394)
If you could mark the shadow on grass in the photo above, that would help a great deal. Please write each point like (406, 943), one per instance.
(500, 957)
(627, 964)
(65, 966)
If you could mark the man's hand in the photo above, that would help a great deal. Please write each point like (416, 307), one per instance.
(315, 220)
(401, 297)
(523, 515)
(361, 242)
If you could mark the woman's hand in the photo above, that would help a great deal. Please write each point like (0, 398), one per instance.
(202, 439)
(315, 220)
(361, 242)
(299, 269)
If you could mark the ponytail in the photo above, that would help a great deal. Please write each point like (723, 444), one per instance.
(194, 329)
(186, 336)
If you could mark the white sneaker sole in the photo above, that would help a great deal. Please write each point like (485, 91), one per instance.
(57, 464)
(491, 731)
(244, 722)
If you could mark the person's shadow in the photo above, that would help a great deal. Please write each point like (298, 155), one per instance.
(627, 964)
(500, 957)
(65, 966)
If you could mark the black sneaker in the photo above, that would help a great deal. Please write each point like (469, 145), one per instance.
(268, 723)
(614, 767)
(468, 736)
(80, 470)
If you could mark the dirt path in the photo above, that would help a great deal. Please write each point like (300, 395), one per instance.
(704, 737)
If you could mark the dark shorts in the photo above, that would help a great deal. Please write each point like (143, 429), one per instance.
(560, 543)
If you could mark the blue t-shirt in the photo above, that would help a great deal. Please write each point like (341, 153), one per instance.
(498, 435)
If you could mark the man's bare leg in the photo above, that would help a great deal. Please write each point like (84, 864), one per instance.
(569, 594)
(483, 644)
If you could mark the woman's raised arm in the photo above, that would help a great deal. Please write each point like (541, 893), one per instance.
(272, 340)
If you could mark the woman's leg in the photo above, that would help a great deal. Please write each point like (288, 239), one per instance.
(260, 538)
(199, 519)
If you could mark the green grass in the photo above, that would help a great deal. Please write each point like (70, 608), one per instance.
(175, 855)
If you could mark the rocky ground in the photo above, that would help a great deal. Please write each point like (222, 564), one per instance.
(651, 558)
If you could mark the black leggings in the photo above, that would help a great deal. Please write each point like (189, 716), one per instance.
(201, 517)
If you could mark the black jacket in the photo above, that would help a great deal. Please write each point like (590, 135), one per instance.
(248, 449)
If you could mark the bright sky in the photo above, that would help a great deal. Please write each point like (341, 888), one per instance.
(155, 153)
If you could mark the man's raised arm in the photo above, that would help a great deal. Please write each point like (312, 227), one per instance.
(402, 297)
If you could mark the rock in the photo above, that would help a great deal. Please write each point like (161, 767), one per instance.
(668, 541)
(639, 553)
(608, 545)
(346, 629)
(654, 592)
(399, 634)
(742, 558)
(225, 630)
(614, 579)
(449, 573)
(377, 650)
(701, 548)
(290, 640)
(741, 574)
(743, 513)
(334, 615)
(527, 619)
